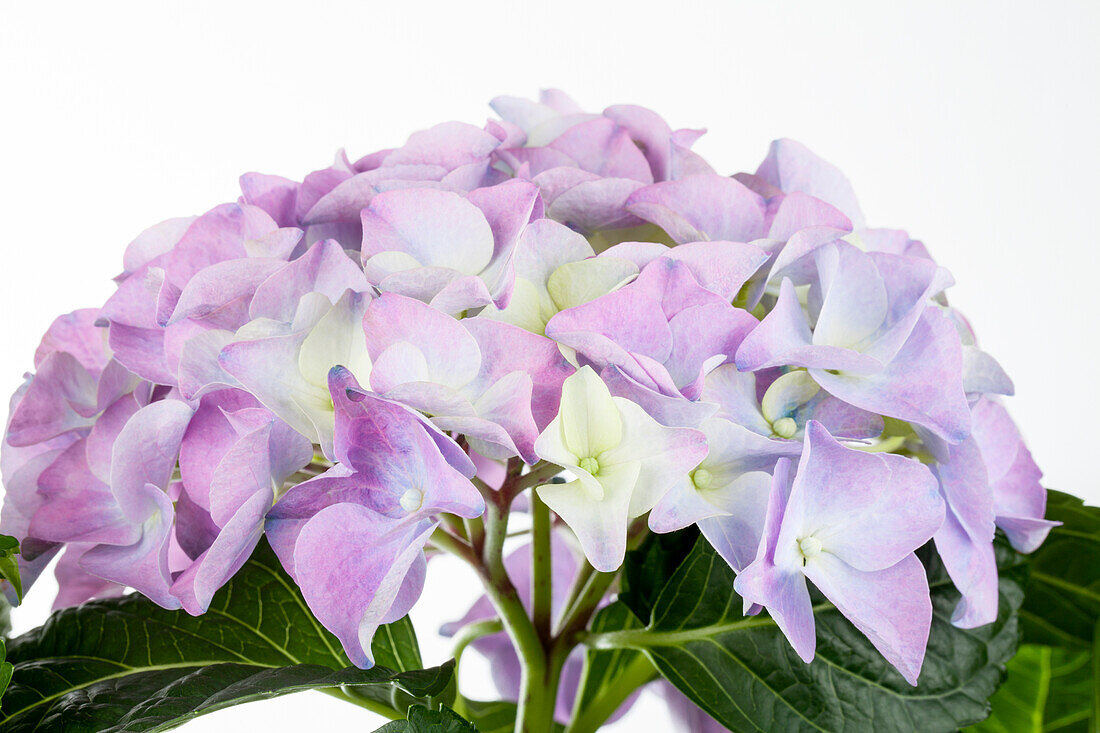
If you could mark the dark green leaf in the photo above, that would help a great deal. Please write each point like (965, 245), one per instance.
(157, 700)
(427, 720)
(743, 672)
(427, 682)
(127, 664)
(9, 563)
(647, 569)
(395, 646)
(1053, 684)
(1063, 595)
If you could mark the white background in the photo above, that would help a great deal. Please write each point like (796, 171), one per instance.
(975, 125)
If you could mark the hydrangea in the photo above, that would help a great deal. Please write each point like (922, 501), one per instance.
(559, 309)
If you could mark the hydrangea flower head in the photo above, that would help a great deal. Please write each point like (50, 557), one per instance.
(352, 365)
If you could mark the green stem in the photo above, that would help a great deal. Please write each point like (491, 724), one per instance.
(455, 525)
(532, 715)
(579, 582)
(541, 567)
(471, 633)
(466, 636)
(445, 541)
(540, 473)
(475, 531)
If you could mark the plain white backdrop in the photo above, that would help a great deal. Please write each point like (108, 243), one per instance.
(974, 125)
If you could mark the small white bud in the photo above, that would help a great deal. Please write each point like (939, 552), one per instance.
(785, 427)
(412, 500)
(809, 547)
(702, 478)
(589, 464)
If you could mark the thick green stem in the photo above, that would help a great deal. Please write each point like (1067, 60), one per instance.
(541, 567)
(541, 655)
(503, 594)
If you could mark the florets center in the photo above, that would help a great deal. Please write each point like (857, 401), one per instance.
(785, 427)
(810, 547)
(590, 464)
(412, 500)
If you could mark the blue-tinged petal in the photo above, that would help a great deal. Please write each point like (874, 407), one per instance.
(922, 384)
(891, 606)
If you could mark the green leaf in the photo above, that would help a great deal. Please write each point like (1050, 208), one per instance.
(395, 646)
(1043, 692)
(497, 716)
(127, 664)
(5, 617)
(9, 563)
(6, 668)
(1063, 595)
(648, 568)
(1053, 683)
(427, 720)
(743, 672)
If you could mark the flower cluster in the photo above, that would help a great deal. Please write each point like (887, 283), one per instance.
(348, 363)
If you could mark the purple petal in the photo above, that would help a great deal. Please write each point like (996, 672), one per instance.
(798, 211)
(77, 334)
(195, 587)
(701, 207)
(399, 329)
(449, 145)
(61, 397)
(590, 205)
(868, 509)
(350, 196)
(274, 194)
(790, 166)
(143, 565)
(1019, 499)
(75, 585)
(965, 541)
(145, 455)
(721, 267)
(224, 286)
(351, 565)
(602, 147)
(923, 383)
(153, 242)
(892, 606)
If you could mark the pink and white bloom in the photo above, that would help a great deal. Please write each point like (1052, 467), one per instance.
(624, 461)
(656, 339)
(447, 250)
(495, 383)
